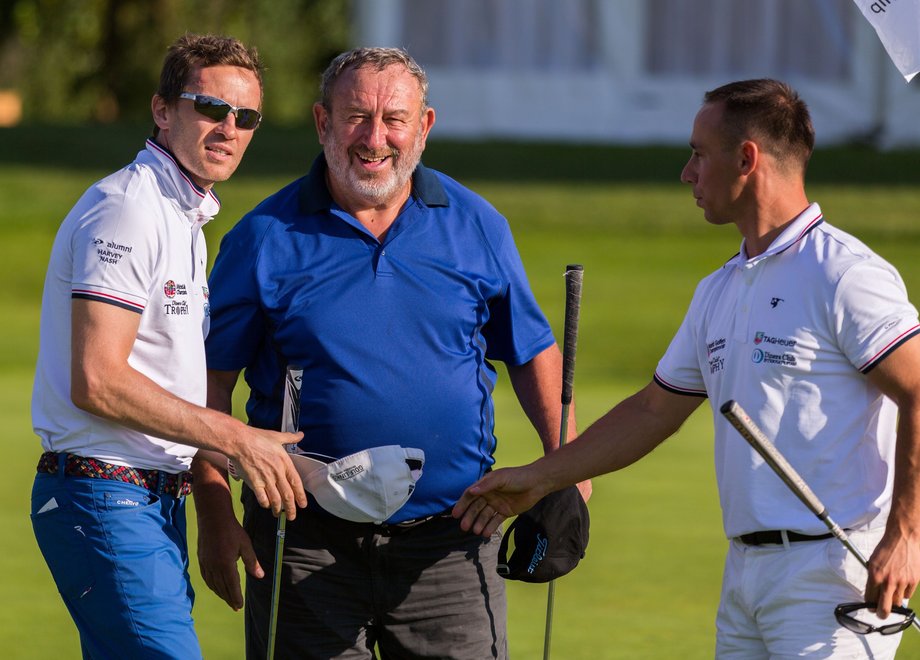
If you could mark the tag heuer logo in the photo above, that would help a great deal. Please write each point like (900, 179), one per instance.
(758, 338)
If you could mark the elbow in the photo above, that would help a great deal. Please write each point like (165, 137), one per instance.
(88, 392)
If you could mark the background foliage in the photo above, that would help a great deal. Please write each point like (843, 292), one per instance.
(99, 60)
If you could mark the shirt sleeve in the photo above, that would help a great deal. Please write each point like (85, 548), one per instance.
(517, 330)
(679, 370)
(872, 313)
(237, 322)
(115, 249)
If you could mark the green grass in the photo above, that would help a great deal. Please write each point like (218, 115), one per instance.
(649, 585)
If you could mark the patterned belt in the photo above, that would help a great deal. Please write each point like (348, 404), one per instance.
(156, 481)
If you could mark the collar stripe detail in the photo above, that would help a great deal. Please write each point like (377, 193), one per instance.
(897, 341)
(679, 390)
(85, 294)
(811, 225)
(198, 190)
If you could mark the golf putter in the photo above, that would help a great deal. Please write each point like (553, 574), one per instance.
(290, 416)
(573, 278)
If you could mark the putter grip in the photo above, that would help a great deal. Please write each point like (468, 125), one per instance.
(738, 418)
(573, 277)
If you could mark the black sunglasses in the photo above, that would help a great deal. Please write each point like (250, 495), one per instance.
(843, 614)
(217, 109)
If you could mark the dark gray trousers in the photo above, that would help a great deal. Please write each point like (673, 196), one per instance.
(350, 590)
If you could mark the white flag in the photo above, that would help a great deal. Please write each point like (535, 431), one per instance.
(897, 23)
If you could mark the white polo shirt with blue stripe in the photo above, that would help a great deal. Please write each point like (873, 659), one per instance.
(790, 335)
(133, 240)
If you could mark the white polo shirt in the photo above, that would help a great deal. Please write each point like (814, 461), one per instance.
(790, 335)
(133, 240)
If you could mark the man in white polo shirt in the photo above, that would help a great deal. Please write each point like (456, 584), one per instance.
(814, 335)
(120, 386)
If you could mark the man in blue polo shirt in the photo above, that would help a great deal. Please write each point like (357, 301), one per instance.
(394, 286)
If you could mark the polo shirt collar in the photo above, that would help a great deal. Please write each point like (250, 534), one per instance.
(798, 229)
(314, 194)
(197, 204)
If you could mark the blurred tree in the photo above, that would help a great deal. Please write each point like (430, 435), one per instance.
(77, 60)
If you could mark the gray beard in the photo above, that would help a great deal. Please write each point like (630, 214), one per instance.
(374, 189)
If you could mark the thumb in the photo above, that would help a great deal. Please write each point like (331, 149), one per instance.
(250, 561)
(291, 438)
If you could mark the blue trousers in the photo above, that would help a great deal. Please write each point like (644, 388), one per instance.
(119, 556)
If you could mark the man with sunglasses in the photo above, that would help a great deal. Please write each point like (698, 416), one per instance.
(394, 286)
(814, 335)
(120, 389)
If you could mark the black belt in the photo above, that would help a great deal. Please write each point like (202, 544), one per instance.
(315, 514)
(775, 536)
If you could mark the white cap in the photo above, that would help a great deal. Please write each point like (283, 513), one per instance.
(367, 486)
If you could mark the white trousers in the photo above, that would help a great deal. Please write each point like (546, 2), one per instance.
(778, 602)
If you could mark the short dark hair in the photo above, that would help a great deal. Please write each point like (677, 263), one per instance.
(379, 59)
(203, 50)
(768, 110)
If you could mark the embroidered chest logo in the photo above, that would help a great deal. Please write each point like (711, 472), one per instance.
(174, 307)
(775, 301)
(716, 362)
(762, 356)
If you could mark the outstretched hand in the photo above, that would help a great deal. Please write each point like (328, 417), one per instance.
(267, 469)
(497, 496)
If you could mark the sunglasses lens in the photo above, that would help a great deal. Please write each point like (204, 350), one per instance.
(858, 618)
(896, 627)
(212, 108)
(248, 119)
(218, 109)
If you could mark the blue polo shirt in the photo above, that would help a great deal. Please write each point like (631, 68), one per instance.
(395, 337)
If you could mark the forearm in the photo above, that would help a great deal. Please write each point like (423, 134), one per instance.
(213, 497)
(127, 397)
(629, 431)
(904, 518)
(538, 386)
(103, 382)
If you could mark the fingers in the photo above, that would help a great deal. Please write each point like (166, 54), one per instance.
(490, 526)
(292, 494)
(269, 472)
(477, 515)
(226, 584)
(218, 565)
(297, 487)
(250, 561)
(887, 596)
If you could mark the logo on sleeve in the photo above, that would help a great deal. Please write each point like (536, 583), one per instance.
(110, 252)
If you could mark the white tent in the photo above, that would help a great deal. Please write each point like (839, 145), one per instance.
(634, 71)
